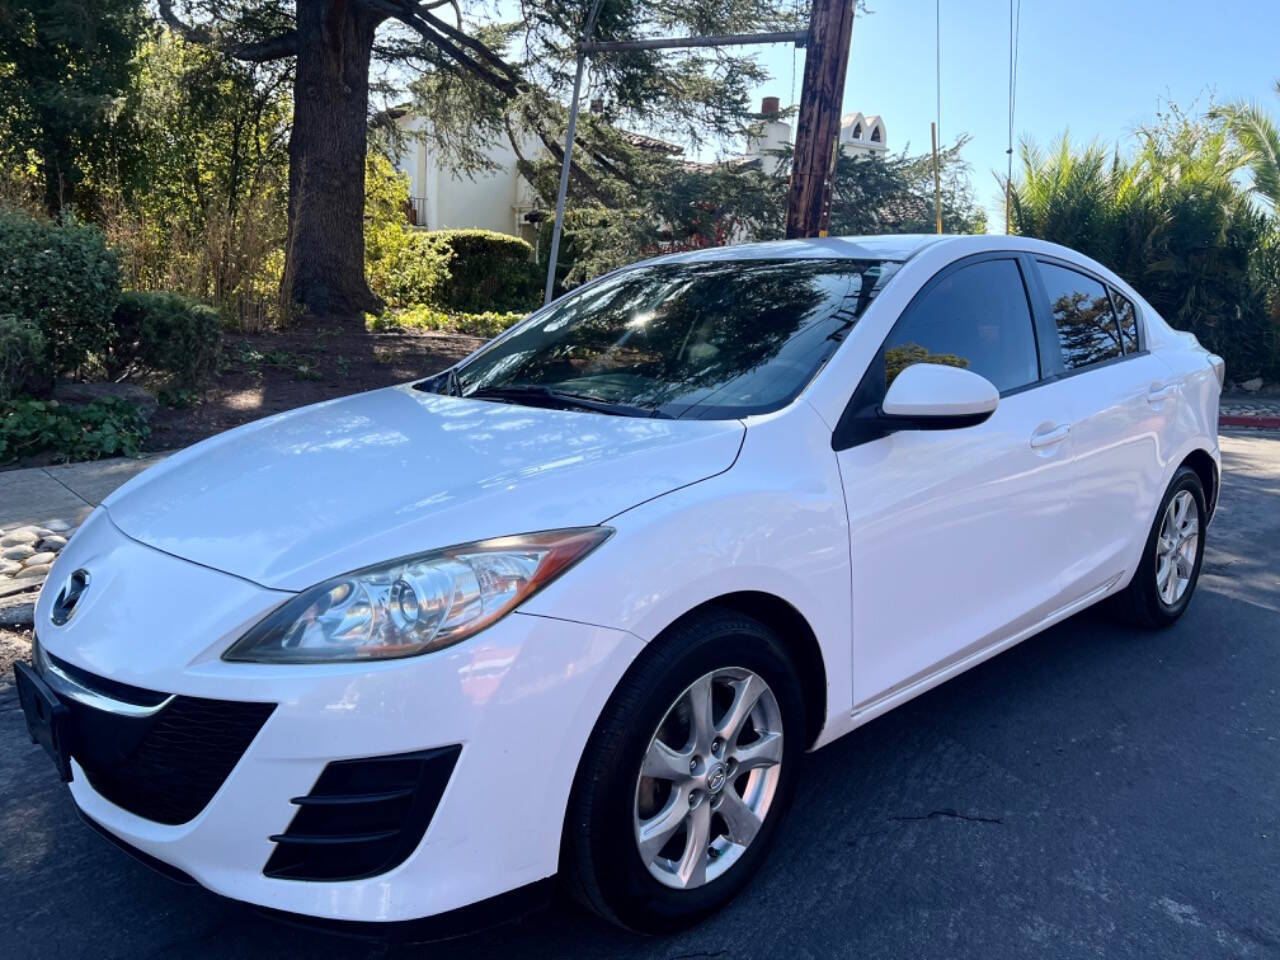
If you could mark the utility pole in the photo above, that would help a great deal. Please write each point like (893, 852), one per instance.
(818, 126)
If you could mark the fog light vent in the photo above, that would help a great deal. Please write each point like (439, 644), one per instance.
(362, 817)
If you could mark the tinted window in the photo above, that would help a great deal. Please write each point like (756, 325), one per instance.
(977, 318)
(699, 340)
(1086, 326)
(1128, 318)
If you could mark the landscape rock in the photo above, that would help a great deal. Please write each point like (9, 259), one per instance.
(1252, 386)
(9, 567)
(39, 570)
(52, 542)
(39, 560)
(18, 615)
(21, 551)
(24, 584)
(57, 526)
(22, 535)
(83, 394)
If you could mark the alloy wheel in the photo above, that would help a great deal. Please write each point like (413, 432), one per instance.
(1176, 547)
(708, 778)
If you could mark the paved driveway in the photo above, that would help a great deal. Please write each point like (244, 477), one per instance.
(1094, 791)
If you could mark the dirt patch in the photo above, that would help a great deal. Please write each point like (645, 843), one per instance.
(15, 645)
(267, 373)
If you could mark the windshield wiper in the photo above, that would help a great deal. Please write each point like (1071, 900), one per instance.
(517, 392)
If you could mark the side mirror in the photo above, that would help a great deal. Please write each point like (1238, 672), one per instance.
(930, 396)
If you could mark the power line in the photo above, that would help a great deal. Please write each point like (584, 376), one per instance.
(937, 67)
(1015, 30)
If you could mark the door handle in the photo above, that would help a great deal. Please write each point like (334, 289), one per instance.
(1160, 392)
(1051, 435)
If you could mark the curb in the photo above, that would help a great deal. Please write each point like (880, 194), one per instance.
(1257, 423)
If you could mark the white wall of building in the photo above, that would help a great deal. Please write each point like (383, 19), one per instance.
(494, 199)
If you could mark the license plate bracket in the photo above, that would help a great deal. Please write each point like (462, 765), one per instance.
(48, 719)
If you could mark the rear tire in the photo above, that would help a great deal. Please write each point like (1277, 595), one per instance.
(724, 659)
(1166, 577)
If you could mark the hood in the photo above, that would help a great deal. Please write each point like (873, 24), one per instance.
(297, 498)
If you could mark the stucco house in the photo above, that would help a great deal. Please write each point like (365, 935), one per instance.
(441, 197)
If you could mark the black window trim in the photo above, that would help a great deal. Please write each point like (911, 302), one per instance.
(861, 422)
(1138, 330)
(1065, 372)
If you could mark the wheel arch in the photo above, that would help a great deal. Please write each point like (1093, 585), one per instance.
(797, 636)
(1206, 468)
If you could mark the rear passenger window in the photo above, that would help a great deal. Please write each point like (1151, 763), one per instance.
(977, 318)
(1128, 318)
(1081, 309)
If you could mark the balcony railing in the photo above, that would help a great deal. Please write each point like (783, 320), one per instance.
(417, 211)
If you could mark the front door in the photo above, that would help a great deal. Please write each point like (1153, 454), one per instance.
(959, 537)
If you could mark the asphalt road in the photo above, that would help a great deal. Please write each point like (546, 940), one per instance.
(1096, 791)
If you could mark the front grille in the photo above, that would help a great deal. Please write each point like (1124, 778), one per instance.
(163, 766)
(181, 760)
(363, 817)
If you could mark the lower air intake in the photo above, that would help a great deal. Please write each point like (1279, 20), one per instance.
(362, 817)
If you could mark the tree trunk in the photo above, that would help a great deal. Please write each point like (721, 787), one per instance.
(324, 254)
(58, 172)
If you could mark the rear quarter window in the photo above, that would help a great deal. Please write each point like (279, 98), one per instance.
(1087, 328)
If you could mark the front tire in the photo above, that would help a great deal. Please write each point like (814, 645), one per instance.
(1166, 577)
(687, 776)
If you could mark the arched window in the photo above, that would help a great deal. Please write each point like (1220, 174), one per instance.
(857, 131)
(875, 135)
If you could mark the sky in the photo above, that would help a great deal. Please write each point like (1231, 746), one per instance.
(1100, 68)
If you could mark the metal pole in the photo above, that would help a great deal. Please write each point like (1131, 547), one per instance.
(798, 37)
(556, 229)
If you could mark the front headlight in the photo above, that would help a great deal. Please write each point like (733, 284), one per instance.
(415, 604)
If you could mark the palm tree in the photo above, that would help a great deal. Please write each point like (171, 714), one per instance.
(1066, 194)
(1173, 219)
(1259, 139)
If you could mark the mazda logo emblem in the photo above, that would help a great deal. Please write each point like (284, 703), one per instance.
(68, 596)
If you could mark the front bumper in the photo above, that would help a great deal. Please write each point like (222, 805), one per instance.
(515, 704)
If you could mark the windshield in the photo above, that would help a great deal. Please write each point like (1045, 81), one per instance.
(709, 340)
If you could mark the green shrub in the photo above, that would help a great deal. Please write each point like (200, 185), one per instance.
(485, 325)
(62, 276)
(23, 359)
(104, 428)
(487, 271)
(158, 332)
(408, 267)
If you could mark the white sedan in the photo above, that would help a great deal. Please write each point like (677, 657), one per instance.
(578, 606)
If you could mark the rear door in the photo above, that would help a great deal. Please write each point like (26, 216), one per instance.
(1123, 402)
(957, 536)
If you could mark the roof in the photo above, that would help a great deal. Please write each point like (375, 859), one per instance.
(900, 246)
(643, 141)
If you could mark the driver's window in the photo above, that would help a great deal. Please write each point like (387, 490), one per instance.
(978, 317)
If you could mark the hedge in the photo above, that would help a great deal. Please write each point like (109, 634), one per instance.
(486, 325)
(62, 277)
(488, 271)
(158, 332)
(407, 267)
(23, 358)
